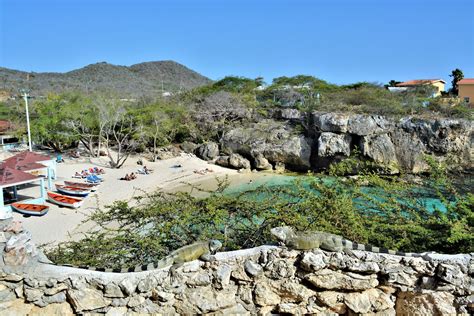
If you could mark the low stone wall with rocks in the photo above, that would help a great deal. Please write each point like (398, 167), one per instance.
(261, 280)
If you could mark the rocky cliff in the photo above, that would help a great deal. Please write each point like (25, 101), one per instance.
(261, 280)
(303, 141)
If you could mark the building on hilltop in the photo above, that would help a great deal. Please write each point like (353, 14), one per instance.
(438, 84)
(466, 90)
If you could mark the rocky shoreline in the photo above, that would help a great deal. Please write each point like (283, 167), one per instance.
(299, 141)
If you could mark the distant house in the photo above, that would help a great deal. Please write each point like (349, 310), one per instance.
(7, 140)
(466, 90)
(438, 84)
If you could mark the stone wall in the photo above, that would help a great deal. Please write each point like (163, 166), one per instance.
(261, 280)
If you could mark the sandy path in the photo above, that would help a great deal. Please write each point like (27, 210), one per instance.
(63, 223)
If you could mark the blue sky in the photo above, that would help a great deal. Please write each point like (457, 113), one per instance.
(341, 41)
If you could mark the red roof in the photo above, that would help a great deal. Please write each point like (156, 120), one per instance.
(466, 81)
(27, 157)
(418, 82)
(26, 161)
(22, 166)
(10, 176)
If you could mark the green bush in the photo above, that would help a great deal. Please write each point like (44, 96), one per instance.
(385, 212)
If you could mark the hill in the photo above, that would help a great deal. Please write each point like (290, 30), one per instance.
(144, 79)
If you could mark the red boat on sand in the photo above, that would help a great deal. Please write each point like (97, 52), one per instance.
(64, 200)
(30, 209)
(82, 185)
(68, 190)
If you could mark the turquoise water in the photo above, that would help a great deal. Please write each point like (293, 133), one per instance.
(425, 199)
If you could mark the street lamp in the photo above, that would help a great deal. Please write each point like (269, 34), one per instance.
(26, 95)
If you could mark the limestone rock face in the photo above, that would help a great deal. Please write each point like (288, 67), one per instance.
(330, 122)
(274, 141)
(363, 125)
(409, 151)
(381, 149)
(331, 144)
(208, 151)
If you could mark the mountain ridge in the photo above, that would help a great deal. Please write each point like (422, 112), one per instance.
(138, 80)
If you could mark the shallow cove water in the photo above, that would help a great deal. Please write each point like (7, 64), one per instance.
(275, 180)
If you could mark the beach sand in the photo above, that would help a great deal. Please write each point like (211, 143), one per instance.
(61, 223)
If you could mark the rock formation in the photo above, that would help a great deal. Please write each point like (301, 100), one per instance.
(310, 141)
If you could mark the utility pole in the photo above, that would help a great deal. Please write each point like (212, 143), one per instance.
(26, 95)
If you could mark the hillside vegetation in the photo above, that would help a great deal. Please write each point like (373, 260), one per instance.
(144, 79)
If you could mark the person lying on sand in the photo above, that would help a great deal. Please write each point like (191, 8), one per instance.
(146, 170)
(203, 171)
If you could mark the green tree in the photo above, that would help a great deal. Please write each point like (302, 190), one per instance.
(49, 121)
(392, 83)
(457, 75)
(164, 123)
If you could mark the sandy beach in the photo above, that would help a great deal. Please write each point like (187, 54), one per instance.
(62, 224)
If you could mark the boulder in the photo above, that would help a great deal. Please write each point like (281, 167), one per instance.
(19, 249)
(188, 147)
(288, 114)
(238, 162)
(63, 309)
(380, 149)
(207, 151)
(205, 300)
(372, 300)
(86, 300)
(330, 122)
(331, 144)
(113, 290)
(363, 125)
(222, 161)
(435, 303)
(252, 268)
(222, 275)
(280, 167)
(261, 163)
(264, 295)
(329, 279)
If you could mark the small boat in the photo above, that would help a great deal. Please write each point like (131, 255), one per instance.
(30, 209)
(74, 191)
(88, 186)
(64, 200)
